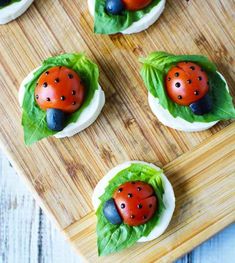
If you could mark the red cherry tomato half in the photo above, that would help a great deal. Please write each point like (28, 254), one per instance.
(134, 5)
(186, 83)
(60, 88)
(136, 202)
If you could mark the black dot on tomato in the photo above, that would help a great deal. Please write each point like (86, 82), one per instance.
(60, 67)
(132, 216)
(196, 92)
(150, 205)
(130, 195)
(37, 84)
(168, 78)
(74, 103)
(200, 78)
(37, 97)
(180, 97)
(70, 76)
(47, 72)
(192, 68)
(45, 84)
(132, 182)
(123, 206)
(189, 81)
(120, 190)
(48, 99)
(177, 74)
(73, 92)
(62, 98)
(177, 84)
(208, 83)
(139, 188)
(139, 206)
(144, 217)
(57, 80)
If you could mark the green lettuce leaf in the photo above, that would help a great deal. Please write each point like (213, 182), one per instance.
(111, 24)
(12, 1)
(156, 66)
(33, 118)
(113, 238)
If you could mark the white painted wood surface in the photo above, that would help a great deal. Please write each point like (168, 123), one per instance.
(27, 236)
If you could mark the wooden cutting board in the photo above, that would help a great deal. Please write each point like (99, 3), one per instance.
(63, 173)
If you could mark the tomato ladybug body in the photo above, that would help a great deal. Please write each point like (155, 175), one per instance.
(134, 5)
(60, 88)
(136, 202)
(186, 83)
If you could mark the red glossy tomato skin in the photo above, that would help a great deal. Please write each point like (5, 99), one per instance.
(186, 83)
(136, 202)
(134, 5)
(60, 88)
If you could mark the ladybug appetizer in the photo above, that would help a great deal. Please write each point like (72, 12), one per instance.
(187, 84)
(11, 9)
(59, 90)
(130, 196)
(60, 100)
(125, 16)
(186, 92)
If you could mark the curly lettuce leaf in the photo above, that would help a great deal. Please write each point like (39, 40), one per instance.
(111, 24)
(156, 66)
(33, 118)
(113, 238)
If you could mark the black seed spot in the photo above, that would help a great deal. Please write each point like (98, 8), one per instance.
(123, 206)
(47, 72)
(168, 78)
(62, 97)
(196, 92)
(45, 84)
(144, 217)
(60, 67)
(48, 99)
(139, 206)
(73, 92)
(70, 76)
(177, 74)
(130, 195)
(180, 97)
(192, 68)
(200, 78)
(132, 182)
(120, 190)
(177, 84)
(150, 205)
(139, 188)
(37, 97)
(57, 80)
(132, 216)
(37, 84)
(74, 103)
(189, 81)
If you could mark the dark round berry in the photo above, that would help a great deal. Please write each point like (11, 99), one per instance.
(123, 206)
(62, 98)
(177, 74)
(114, 7)
(180, 97)
(139, 206)
(45, 84)
(130, 195)
(177, 84)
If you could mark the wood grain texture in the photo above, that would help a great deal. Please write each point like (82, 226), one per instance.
(62, 173)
